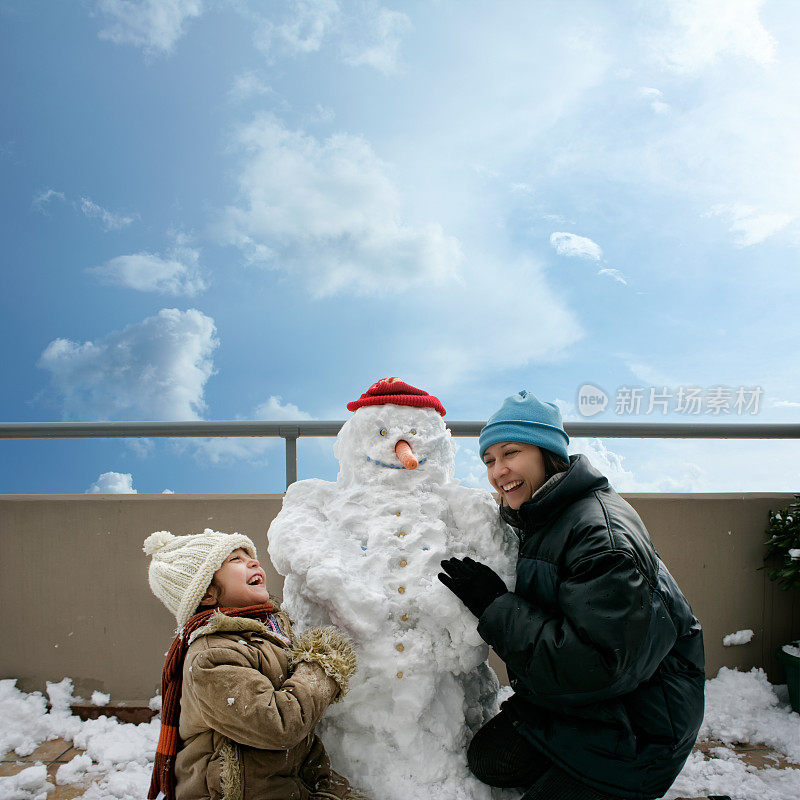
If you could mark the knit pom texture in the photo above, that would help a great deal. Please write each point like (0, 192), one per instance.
(155, 541)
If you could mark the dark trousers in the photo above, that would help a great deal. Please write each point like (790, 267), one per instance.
(501, 756)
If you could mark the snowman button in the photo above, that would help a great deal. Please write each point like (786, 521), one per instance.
(399, 674)
(403, 562)
(401, 589)
(401, 533)
(404, 618)
(397, 513)
(400, 648)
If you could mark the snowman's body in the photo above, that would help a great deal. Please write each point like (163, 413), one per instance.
(363, 554)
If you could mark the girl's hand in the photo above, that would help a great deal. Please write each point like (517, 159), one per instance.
(473, 583)
(328, 648)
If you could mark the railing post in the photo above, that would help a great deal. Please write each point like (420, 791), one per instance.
(290, 435)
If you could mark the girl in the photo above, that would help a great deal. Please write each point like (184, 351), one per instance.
(603, 652)
(240, 698)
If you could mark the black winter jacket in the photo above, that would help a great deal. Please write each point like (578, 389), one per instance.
(603, 652)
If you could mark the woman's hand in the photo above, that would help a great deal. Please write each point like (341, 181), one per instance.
(474, 584)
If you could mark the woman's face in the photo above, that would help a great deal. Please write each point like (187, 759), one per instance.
(515, 470)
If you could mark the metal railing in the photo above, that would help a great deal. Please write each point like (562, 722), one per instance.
(291, 430)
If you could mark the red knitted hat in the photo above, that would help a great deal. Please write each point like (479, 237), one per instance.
(393, 390)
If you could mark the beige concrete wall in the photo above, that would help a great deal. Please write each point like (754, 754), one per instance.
(74, 590)
(73, 579)
(713, 545)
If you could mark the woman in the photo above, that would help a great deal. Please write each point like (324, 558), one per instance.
(603, 652)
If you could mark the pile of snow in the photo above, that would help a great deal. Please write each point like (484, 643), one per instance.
(29, 783)
(741, 707)
(119, 754)
(100, 699)
(740, 637)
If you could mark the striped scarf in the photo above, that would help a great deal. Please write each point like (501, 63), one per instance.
(162, 783)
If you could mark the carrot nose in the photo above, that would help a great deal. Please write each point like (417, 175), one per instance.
(406, 455)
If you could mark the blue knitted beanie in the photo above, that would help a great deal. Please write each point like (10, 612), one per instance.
(523, 418)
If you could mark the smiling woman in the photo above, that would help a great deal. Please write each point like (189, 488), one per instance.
(603, 652)
(520, 456)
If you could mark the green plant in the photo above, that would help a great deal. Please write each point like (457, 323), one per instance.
(783, 553)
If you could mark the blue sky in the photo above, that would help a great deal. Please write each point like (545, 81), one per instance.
(221, 209)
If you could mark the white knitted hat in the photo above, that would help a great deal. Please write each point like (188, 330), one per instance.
(183, 566)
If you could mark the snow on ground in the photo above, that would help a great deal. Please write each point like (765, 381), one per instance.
(119, 754)
(741, 707)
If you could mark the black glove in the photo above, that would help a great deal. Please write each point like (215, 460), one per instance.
(474, 584)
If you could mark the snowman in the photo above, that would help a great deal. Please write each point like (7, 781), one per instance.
(362, 553)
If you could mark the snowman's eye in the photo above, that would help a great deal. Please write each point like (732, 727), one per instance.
(383, 431)
(413, 431)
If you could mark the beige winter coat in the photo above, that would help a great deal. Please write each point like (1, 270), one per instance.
(247, 725)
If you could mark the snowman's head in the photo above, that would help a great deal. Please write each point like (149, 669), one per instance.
(367, 443)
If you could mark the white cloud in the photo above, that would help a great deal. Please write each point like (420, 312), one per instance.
(321, 113)
(113, 483)
(363, 34)
(155, 369)
(225, 450)
(726, 149)
(649, 470)
(457, 335)
(747, 225)
(705, 30)
(306, 24)
(177, 274)
(42, 199)
(385, 31)
(650, 375)
(153, 25)
(275, 408)
(328, 213)
(656, 98)
(712, 465)
(569, 244)
(567, 410)
(248, 85)
(613, 273)
(469, 469)
(109, 220)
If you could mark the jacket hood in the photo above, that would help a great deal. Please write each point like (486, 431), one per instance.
(580, 479)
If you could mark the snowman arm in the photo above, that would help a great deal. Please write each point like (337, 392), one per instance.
(301, 529)
(477, 518)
